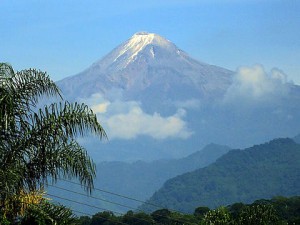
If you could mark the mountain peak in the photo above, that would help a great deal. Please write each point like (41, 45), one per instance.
(146, 38)
(139, 41)
(148, 62)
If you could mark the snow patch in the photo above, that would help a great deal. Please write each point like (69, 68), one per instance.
(138, 42)
(152, 52)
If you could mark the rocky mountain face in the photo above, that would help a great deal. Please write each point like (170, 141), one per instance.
(155, 101)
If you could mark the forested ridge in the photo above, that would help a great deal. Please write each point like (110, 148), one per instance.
(262, 171)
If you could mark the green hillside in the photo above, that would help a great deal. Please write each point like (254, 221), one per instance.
(262, 171)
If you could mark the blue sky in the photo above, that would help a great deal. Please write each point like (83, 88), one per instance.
(65, 37)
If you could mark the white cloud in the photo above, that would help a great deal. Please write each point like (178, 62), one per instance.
(97, 103)
(278, 75)
(136, 122)
(127, 120)
(100, 108)
(254, 83)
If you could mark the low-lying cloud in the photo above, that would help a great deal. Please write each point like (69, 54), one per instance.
(127, 120)
(254, 83)
(136, 122)
(252, 87)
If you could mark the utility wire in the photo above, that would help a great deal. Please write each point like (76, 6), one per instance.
(81, 203)
(94, 197)
(127, 198)
(119, 195)
(102, 200)
(84, 213)
(121, 214)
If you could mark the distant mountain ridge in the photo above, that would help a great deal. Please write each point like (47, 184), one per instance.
(142, 179)
(262, 171)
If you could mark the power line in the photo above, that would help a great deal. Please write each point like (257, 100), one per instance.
(81, 203)
(102, 200)
(94, 197)
(126, 197)
(82, 213)
(121, 214)
(108, 192)
(119, 195)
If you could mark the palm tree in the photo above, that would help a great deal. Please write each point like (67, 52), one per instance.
(38, 146)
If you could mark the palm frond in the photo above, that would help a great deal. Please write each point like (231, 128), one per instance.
(67, 160)
(38, 146)
(67, 120)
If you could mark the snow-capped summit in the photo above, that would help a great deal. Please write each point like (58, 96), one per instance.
(148, 64)
(141, 40)
(141, 44)
(138, 42)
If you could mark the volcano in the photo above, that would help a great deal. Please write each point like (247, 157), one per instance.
(149, 65)
(155, 101)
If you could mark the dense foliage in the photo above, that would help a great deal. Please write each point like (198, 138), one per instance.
(277, 211)
(38, 145)
(262, 171)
